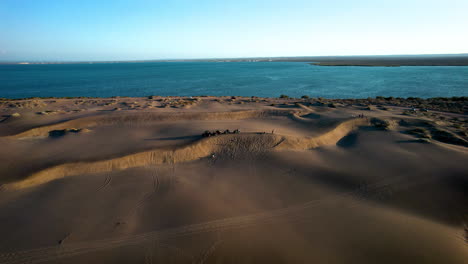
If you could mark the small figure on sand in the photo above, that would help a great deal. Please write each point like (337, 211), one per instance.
(208, 133)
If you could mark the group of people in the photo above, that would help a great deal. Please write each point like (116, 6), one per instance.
(217, 132)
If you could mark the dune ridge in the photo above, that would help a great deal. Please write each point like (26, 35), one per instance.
(328, 138)
(200, 149)
(142, 118)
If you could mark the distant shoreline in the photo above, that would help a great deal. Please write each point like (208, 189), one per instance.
(395, 62)
(364, 61)
(457, 98)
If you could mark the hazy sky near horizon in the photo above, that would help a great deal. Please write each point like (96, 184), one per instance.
(145, 29)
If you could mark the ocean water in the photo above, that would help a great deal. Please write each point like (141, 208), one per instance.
(264, 79)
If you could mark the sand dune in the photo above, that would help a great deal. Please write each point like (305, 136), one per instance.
(142, 118)
(220, 145)
(302, 182)
(290, 215)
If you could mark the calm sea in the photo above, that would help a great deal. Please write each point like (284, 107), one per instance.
(265, 79)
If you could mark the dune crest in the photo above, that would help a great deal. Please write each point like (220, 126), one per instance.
(219, 145)
(328, 138)
(142, 118)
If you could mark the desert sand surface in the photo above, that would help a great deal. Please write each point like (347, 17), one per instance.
(138, 180)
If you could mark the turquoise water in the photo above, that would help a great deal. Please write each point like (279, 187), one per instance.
(265, 79)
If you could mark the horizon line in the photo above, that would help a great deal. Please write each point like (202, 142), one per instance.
(217, 58)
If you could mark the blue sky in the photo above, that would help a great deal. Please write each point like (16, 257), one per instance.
(144, 29)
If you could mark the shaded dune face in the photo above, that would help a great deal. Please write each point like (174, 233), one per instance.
(299, 184)
(224, 146)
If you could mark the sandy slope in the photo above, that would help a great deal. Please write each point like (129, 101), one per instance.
(133, 181)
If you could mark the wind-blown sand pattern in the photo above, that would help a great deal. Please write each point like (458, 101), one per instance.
(305, 181)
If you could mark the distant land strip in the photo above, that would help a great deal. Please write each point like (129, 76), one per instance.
(364, 61)
(391, 62)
